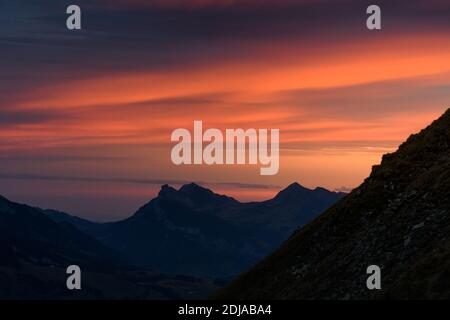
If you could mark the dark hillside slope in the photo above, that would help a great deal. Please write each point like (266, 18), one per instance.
(35, 252)
(398, 219)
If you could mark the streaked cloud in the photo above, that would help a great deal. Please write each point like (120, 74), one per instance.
(102, 102)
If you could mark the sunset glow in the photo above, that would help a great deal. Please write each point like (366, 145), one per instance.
(102, 105)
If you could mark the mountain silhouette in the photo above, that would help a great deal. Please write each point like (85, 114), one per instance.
(397, 219)
(35, 252)
(197, 232)
(29, 235)
(205, 198)
(170, 233)
(290, 209)
(81, 224)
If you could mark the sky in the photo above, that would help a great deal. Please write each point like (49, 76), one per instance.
(86, 116)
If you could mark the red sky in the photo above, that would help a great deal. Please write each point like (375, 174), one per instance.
(87, 128)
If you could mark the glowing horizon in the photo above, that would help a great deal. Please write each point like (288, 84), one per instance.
(104, 102)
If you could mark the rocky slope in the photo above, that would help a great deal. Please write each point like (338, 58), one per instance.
(398, 219)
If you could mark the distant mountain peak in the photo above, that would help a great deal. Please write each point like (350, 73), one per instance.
(194, 188)
(204, 196)
(166, 190)
(194, 195)
(295, 186)
(293, 190)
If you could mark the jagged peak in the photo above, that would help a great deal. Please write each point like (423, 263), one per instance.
(166, 190)
(193, 193)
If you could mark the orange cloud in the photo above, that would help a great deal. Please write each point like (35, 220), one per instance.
(252, 89)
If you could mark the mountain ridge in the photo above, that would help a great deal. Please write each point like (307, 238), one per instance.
(35, 252)
(225, 235)
(397, 219)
